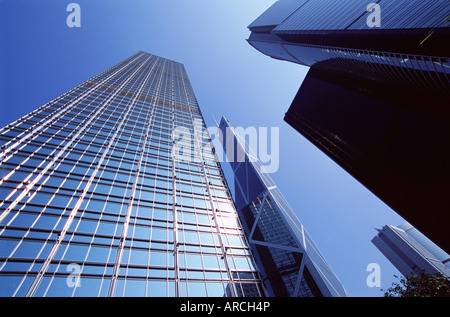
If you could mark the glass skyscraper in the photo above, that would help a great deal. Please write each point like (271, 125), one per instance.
(410, 251)
(429, 245)
(96, 201)
(290, 263)
(376, 96)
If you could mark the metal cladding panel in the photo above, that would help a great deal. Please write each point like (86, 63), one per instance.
(274, 50)
(324, 15)
(352, 15)
(412, 14)
(277, 13)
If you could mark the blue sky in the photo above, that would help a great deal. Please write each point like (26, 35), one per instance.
(42, 58)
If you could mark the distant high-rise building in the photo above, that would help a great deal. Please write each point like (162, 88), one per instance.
(376, 97)
(429, 245)
(410, 251)
(95, 201)
(287, 258)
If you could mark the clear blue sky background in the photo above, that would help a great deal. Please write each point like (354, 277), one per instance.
(42, 58)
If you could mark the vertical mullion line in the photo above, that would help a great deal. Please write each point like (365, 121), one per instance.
(115, 275)
(52, 162)
(60, 112)
(116, 132)
(47, 240)
(199, 148)
(73, 213)
(147, 136)
(125, 227)
(174, 200)
(139, 75)
(33, 288)
(55, 149)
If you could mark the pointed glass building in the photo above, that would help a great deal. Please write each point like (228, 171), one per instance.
(290, 263)
(94, 201)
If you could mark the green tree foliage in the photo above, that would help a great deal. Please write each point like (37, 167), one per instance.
(422, 285)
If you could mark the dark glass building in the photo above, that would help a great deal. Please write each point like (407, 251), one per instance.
(376, 97)
(287, 258)
(95, 201)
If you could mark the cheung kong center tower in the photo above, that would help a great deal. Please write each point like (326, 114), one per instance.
(96, 201)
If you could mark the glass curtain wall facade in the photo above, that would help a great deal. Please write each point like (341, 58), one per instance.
(376, 96)
(95, 203)
(290, 263)
(431, 247)
(340, 37)
(410, 251)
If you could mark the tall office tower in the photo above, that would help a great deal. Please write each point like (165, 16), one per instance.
(410, 251)
(376, 95)
(429, 245)
(96, 202)
(287, 258)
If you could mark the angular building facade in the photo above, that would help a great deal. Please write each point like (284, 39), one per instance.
(94, 201)
(429, 245)
(376, 96)
(410, 251)
(290, 263)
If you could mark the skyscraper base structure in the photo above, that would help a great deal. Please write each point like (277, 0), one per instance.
(376, 97)
(95, 201)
